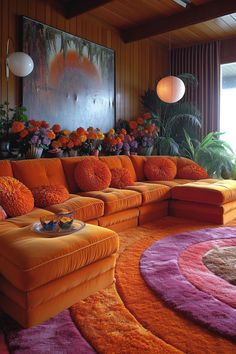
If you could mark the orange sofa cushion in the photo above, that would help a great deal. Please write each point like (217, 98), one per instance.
(69, 164)
(48, 195)
(85, 208)
(192, 171)
(5, 168)
(151, 192)
(92, 175)
(15, 197)
(159, 168)
(119, 161)
(28, 219)
(214, 193)
(120, 178)
(29, 260)
(116, 199)
(34, 173)
(139, 162)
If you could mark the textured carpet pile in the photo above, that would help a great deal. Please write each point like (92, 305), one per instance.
(129, 317)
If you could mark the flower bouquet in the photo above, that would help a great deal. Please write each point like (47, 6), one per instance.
(113, 142)
(145, 132)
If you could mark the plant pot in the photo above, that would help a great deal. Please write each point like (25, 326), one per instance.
(95, 152)
(145, 151)
(4, 148)
(72, 152)
(34, 152)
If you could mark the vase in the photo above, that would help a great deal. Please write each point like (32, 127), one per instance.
(95, 152)
(145, 151)
(34, 152)
(4, 148)
(72, 153)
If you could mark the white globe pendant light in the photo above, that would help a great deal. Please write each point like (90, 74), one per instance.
(170, 89)
(20, 64)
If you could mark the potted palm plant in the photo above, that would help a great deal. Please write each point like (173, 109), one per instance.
(172, 118)
(212, 153)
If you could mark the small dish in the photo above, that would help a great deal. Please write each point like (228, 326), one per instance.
(77, 226)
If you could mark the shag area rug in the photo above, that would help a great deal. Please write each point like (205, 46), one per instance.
(126, 318)
(188, 273)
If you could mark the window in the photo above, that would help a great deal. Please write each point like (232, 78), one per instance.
(228, 103)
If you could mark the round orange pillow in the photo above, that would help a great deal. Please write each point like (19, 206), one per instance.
(15, 198)
(92, 175)
(3, 214)
(121, 178)
(159, 169)
(192, 171)
(45, 196)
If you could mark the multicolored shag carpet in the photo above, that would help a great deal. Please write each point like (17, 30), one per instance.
(130, 317)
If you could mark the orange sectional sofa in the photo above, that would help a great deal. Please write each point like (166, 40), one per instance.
(40, 276)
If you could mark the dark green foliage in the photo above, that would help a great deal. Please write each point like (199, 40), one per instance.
(172, 119)
(214, 154)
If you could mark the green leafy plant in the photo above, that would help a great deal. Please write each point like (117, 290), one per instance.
(172, 119)
(212, 153)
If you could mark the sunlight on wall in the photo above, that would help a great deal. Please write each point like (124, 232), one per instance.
(228, 116)
(228, 104)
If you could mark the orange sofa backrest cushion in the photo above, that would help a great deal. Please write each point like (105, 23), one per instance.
(139, 162)
(38, 172)
(120, 161)
(5, 168)
(69, 164)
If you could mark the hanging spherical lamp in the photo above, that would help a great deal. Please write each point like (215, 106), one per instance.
(20, 64)
(170, 89)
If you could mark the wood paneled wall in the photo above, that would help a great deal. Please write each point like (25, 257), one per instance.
(138, 65)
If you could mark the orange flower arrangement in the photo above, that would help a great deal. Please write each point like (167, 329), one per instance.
(17, 127)
(144, 130)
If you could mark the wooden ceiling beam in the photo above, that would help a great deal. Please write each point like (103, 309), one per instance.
(185, 18)
(77, 7)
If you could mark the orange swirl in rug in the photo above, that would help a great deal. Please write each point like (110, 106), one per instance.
(151, 312)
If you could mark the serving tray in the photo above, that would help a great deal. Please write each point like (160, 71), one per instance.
(76, 226)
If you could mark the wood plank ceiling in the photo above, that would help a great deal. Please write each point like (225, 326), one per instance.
(163, 20)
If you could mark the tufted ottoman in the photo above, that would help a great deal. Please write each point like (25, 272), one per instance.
(41, 275)
(208, 200)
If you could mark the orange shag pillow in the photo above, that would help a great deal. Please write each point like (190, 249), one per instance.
(15, 197)
(121, 178)
(192, 171)
(45, 196)
(159, 169)
(92, 175)
(3, 214)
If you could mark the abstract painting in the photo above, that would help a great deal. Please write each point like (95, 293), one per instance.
(73, 81)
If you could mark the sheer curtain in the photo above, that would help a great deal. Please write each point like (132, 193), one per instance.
(203, 61)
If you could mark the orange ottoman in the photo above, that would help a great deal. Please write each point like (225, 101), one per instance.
(42, 275)
(206, 200)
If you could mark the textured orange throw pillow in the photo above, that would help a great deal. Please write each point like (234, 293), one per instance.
(192, 171)
(159, 169)
(121, 178)
(3, 214)
(45, 196)
(15, 197)
(92, 175)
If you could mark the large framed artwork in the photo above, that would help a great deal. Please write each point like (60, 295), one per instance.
(73, 81)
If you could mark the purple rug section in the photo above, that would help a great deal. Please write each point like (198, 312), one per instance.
(159, 268)
(58, 335)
